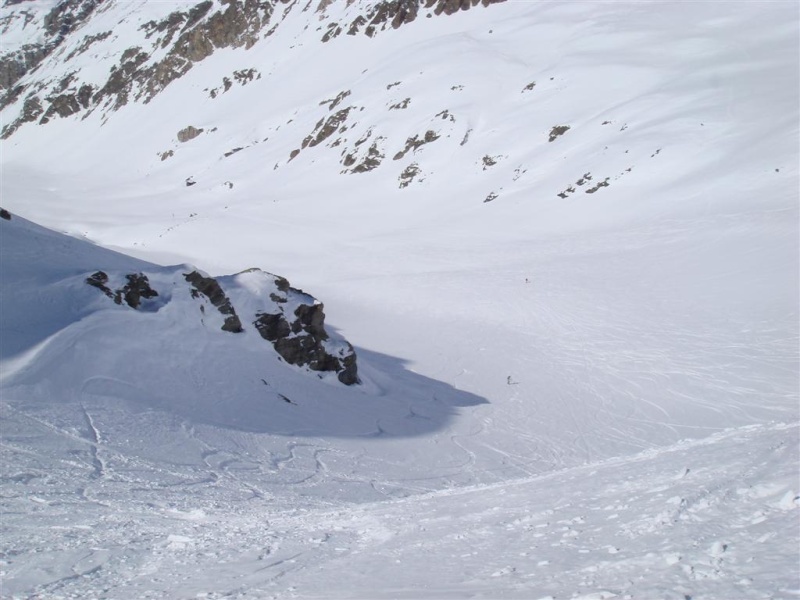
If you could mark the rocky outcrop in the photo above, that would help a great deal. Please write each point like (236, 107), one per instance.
(415, 142)
(64, 105)
(237, 25)
(396, 13)
(297, 330)
(371, 161)
(55, 27)
(209, 287)
(191, 36)
(65, 16)
(292, 321)
(325, 128)
(136, 288)
(408, 175)
(557, 131)
(188, 133)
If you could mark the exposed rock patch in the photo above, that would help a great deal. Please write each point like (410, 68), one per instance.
(242, 77)
(326, 128)
(296, 328)
(188, 133)
(396, 13)
(400, 105)
(415, 142)
(371, 161)
(62, 19)
(558, 131)
(598, 185)
(489, 161)
(446, 116)
(334, 102)
(210, 288)
(292, 321)
(136, 288)
(408, 175)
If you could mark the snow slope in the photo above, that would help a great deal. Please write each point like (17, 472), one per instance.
(635, 347)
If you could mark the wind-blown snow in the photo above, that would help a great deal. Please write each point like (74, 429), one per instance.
(569, 397)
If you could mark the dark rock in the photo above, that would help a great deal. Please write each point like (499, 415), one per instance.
(272, 327)
(4, 214)
(413, 143)
(138, 287)
(99, 281)
(245, 76)
(334, 29)
(401, 105)
(349, 160)
(87, 42)
(408, 175)
(62, 105)
(65, 17)
(119, 85)
(334, 102)
(300, 338)
(489, 161)
(349, 373)
(11, 96)
(233, 151)
(598, 185)
(311, 319)
(188, 133)
(557, 131)
(371, 161)
(326, 128)
(446, 116)
(356, 25)
(396, 13)
(31, 111)
(210, 288)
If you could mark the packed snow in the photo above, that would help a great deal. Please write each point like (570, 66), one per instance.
(563, 394)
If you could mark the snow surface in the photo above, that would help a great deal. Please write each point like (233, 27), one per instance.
(584, 397)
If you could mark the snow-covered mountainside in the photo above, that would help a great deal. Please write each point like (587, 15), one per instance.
(562, 236)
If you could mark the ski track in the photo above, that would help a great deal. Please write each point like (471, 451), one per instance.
(711, 504)
(565, 396)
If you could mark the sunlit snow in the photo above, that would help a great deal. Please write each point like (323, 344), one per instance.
(563, 394)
